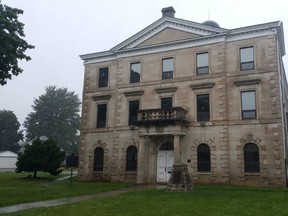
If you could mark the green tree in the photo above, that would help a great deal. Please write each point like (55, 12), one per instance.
(42, 155)
(10, 134)
(13, 46)
(56, 116)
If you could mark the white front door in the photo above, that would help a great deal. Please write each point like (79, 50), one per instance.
(165, 161)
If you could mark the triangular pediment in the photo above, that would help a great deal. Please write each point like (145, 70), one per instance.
(168, 35)
(165, 30)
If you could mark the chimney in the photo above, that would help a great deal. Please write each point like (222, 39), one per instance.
(168, 12)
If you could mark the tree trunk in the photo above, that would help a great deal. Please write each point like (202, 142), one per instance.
(35, 174)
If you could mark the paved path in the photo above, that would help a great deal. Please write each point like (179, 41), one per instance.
(57, 202)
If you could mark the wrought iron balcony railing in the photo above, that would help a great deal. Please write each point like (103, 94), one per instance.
(163, 115)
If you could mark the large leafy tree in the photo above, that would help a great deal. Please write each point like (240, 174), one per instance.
(10, 134)
(56, 116)
(12, 44)
(41, 155)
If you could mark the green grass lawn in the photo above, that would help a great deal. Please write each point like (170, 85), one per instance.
(16, 188)
(204, 200)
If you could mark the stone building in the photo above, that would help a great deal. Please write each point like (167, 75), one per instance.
(181, 92)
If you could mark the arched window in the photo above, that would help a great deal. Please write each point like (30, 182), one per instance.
(98, 159)
(131, 158)
(167, 146)
(251, 158)
(203, 158)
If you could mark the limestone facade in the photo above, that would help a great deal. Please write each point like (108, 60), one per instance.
(226, 132)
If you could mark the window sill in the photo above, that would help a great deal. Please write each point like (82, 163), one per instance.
(103, 129)
(133, 127)
(252, 173)
(247, 70)
(247, 119)
(204, 172)
(97, 172)
(204, 123)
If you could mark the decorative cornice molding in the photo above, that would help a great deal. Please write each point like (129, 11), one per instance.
(202, 86)
(101, 97)
(235, 36)
(128, 47)
(165, 89)
(247, 82)
(155, 49)
(134, 93)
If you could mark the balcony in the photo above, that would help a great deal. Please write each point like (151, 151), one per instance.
(174, 115)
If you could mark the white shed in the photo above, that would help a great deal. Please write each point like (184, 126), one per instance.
(8, 160)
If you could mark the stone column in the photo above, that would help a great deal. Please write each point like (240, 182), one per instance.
(141, 161)
(177, 150)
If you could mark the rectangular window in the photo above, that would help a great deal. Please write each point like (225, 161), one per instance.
(166, 102)
(167, 68)
(246, 58)
(133, 108)
(202, 63)
(103, 77)
(135, 72)
(203, 107)
(248, 105)
(101, 115)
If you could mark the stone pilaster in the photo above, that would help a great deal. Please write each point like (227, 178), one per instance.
(141, 168)
(177, 150)
(224, 157)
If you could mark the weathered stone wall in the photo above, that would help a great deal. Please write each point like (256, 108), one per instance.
(226, 133)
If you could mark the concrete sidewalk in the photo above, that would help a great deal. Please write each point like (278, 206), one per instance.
(57, 202)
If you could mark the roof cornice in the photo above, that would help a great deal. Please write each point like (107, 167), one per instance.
(90, 58)
(128, 47)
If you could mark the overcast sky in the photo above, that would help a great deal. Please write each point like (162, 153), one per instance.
(61, 30)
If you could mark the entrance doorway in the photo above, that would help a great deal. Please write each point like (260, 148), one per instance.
(165, 161)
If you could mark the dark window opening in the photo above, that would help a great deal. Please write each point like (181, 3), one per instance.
(133, 108)
(101, 115)
(166, 146)
(203, 158)
(98, 159)
(135, 72)
(203, 107)
(103, 77)
(251, 158)
(131, 158)
(166, 102)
